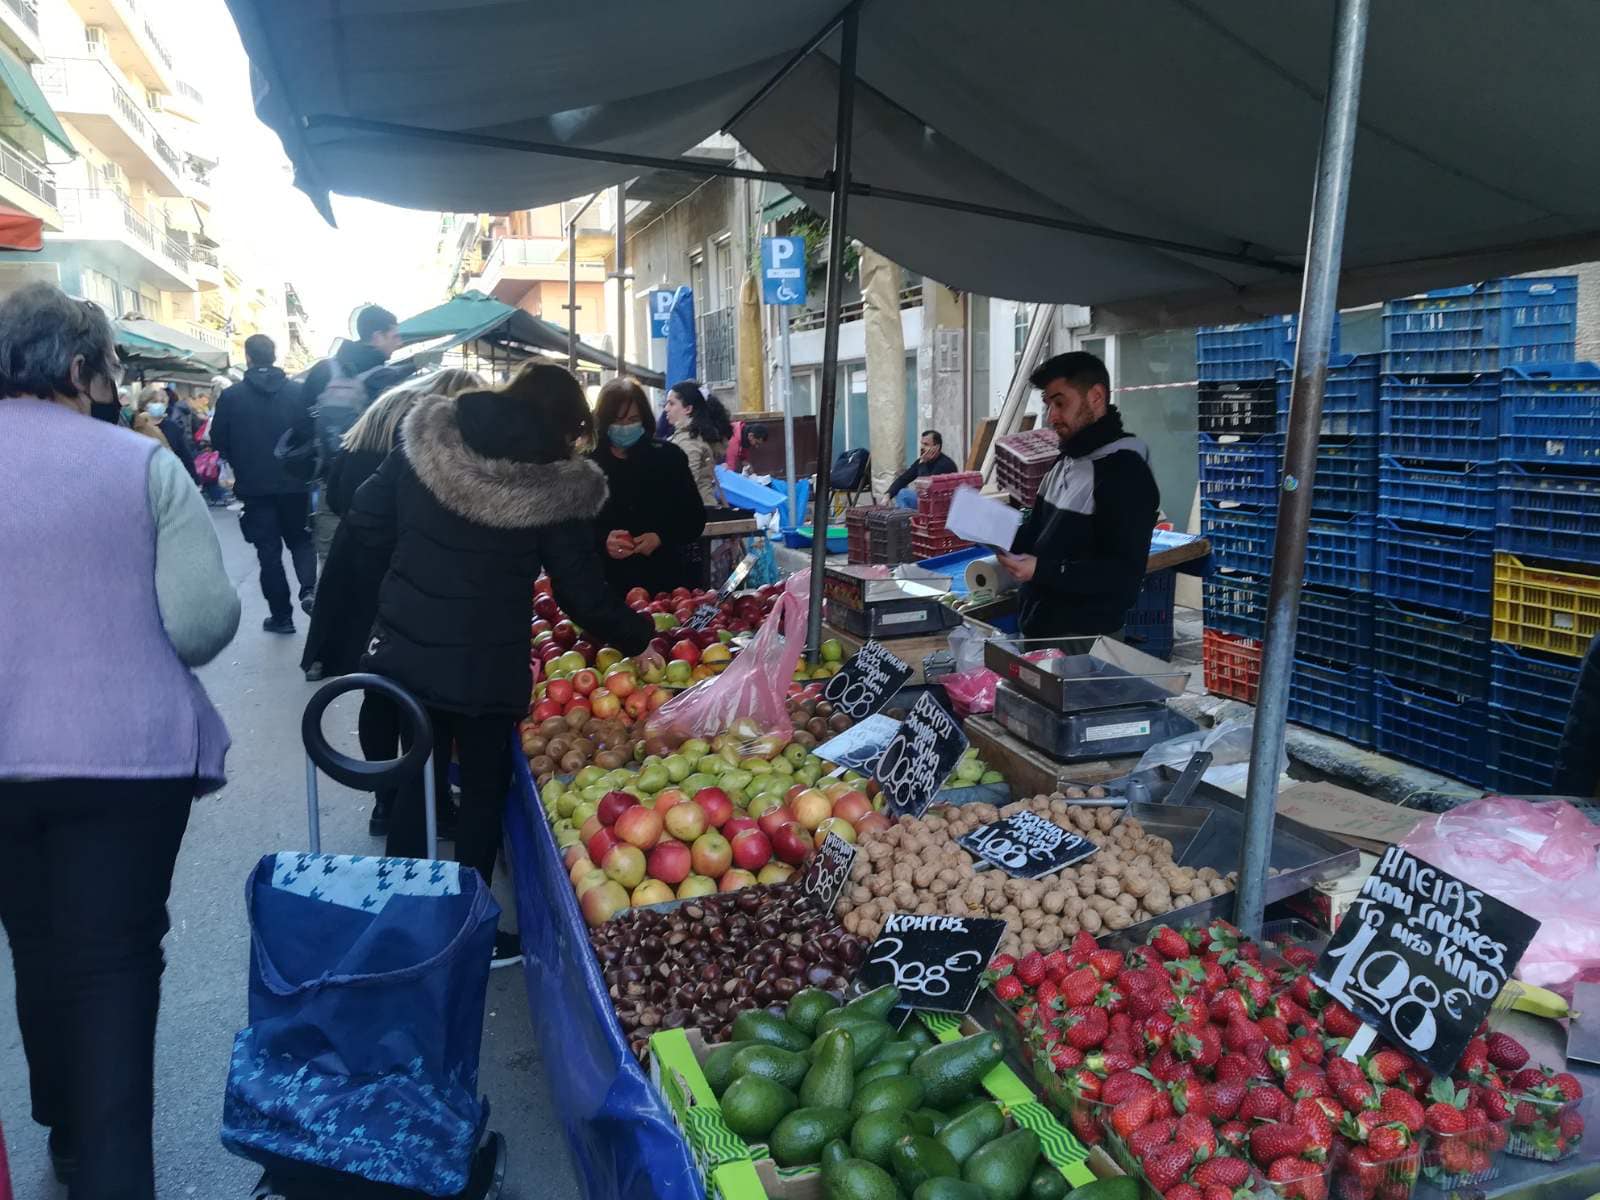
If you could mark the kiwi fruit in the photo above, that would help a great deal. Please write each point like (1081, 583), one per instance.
(542, 764)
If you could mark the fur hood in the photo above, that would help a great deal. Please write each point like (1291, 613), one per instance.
(496, 492)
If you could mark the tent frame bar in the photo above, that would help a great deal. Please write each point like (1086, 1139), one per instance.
(572, 285)
(816, 183)
(794, 60)
(1318, 308)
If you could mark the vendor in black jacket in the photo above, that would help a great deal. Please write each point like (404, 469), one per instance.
(1081, 556)
(931, 460)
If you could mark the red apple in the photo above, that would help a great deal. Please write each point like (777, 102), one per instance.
(661, 646)
(585, 681)
(636, 596)
(541, 586)
(811, 808)
(732, 881)
(873, 822)
(685, 821)
(639, 826)
(752, 850)
(586, 648)
(539, 629)
(775, 819)
(577, 703)
(565, 633)
(710, 854)
(603, 902)
(792, 844)
(670, 862)
(620, 684)
(604, 705)
(572, 854)
(546, 608)
(612, 805)
(852, 806)
(600, 844)
(703, 637)
(625, 864)
(580, 869)
(559, 690)
(788, 797)
(591, 826)
(667, 798)
(734, 826)
(685, 651)
(637, 705)
(546, 709)
(718, 808)
(658, 697)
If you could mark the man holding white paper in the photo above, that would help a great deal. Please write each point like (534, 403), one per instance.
(1081, 555)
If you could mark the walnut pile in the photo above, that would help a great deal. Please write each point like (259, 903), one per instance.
(915, 866)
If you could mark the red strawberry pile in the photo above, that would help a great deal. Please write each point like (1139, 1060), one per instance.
(1212, 1067)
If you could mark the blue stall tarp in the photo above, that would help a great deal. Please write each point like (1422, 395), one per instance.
(744, 492)
(624, 1142)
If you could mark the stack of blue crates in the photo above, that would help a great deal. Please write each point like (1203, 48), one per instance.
(1245, 373)
(1447, 358)
(1547, 516)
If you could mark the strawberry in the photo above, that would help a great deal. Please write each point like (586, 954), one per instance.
(1494, 1103)
(1264, 1103)
(1417, 1078)
(1235, 1133)
(1169, 943)
(1007, 989)
(1297, 955)
(1216, 1193)
(1363, 1173)
(1306, 1082)
(1223, 1098)
(1386, 1066)
(1222, 1171)
(1184, 1191)
(1086, 1126)
(1056, 965)
(1132, 1113)
(1528, 1077)
(1388, 1141)
(1194, 1132)
(1109, 1061)
(1505, 1052)
(1355, 1094)
(1339, 1021)
(1047, 996)
(1273, 1140)
(1079, 986)
(1568, 1085)
(1234, 1068)
(1444, 1118)
(1230, 1007)
(1305, 993)
(1309, 1115)
(1147, 1139)
(1086, 1028)
(1001, 965)
(1201, 1046)
(1403, 1107)
(1298, 1180)
(1240, 1033)
(1110, 999)
(1156, 1031)
(1084, 1084)
(1030, 968)
(1107, 964)
(1123, 1085)
(1082, 946)
(1165, 1065)
(1283, 1060)
(1165, 1168)
(1275, 1030)
(1474, 1056)
(1064, 1058)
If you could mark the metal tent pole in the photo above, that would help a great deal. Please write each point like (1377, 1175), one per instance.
(572, 284)
(1318, 307)
(838, 210)
(623, 275)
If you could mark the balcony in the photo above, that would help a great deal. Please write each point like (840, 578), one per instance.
(207, 268)
(85, 91)
(19, 28)
(123, 238)
(130, 40)
(27, 184)
(185, 101)
(214, 338)
(718, 347)
(514, 264)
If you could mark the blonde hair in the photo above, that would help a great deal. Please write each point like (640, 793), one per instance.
(152, 393)
(378, 427)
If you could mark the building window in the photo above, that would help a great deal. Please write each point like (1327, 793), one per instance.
(1021, 320)
(725, 282)
(978, 356)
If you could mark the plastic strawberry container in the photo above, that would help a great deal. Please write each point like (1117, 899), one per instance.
(1457, 1160)
(1546, 1130)
(1383, 1179)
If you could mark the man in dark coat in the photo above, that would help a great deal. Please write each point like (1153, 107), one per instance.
(249, 420)
(931, 460)
(1081, 556)
(1578, 760)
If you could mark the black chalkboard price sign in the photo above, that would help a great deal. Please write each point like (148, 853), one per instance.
(1421, 955)
(937, 962)
(864, 684)
(920, 757)
(702, 617)
(1027, 846)
(827, 870)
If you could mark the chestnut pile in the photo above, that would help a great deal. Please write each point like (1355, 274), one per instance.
(703, 963)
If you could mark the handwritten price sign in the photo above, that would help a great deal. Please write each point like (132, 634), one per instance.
(1421, 955)
(937, 962)
(702, 617)
(920, 757)
(1027, 846)
(828, 870)
(864, 684)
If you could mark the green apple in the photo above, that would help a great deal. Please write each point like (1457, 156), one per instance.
(581, 813)
(567, 837)
(992, 777)
(832, 650)
(567, 802)
(735, 779)
(678, 671)
(606, 658)
(571, 661)
(782, 766)
(664, 621)
(796, 754)
(698, 780)
(653, 778)
(678, 767)
(694, 748)
(553, 789)
(762, 805)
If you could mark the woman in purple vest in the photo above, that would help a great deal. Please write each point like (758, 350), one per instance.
(111, 588)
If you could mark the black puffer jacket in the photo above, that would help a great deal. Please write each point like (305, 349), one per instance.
(250, 418)
(470, 533)
(651, 491)
(1578, 761)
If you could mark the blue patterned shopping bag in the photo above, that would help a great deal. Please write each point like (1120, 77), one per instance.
(367, 985)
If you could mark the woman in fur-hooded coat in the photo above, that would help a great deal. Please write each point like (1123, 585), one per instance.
(484, 494)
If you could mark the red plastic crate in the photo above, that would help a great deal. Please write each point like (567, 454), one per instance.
(1232, 665)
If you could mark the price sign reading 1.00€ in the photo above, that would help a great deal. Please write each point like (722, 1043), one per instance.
(1421, 955)
(937, 962)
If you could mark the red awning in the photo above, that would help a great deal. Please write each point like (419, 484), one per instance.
(19, 231)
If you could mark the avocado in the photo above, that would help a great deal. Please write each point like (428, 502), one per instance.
(918, 1035)
(881, 1070)
(948, 1189)
(753, 1105)
(830, 1083)
(967, 1105)
(920, 1120)
(758, 1025)
(1004, 1168)
(936, 1119)
(834, 1153)
(952, 1069)
(1048, 1183)
(1118, 1187)
(873, 1135)
(772, 1062)
(798, 1138)
(902, 1052)
(869, 1035)
(718, 1066)
(806, 1008)
(916, 1159)
(855, 1179)
(876, 1004)
(904, 1092)
(976, 1127)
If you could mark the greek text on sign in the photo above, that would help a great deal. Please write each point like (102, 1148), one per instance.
(1027, 846)
(864, 684)
(828, 870)
(920, 757)
(702, 617)
(1421, 955)
(937, 962)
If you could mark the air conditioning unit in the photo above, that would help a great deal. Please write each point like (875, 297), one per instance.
(94, 39)
(153, 101)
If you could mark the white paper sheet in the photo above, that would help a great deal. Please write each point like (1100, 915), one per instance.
(983, 520)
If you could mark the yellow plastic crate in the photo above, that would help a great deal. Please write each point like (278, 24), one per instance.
(1545, 608)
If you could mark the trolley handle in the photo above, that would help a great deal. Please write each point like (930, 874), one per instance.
(358, 773)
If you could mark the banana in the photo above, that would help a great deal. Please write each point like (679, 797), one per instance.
(1537, 1001)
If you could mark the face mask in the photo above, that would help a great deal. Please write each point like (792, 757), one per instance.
(104, 412)
(623, 436)
(157, 410)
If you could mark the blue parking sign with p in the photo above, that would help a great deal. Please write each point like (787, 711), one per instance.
(660, 306)
(783, 270)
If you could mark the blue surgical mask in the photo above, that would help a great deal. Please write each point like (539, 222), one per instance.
(157, 410)
(623, 436)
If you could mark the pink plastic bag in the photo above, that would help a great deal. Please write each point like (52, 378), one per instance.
(1539, 858)
(750, 697)
(971, 691)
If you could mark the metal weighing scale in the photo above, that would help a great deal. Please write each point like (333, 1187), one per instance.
(1083, 698)
(882, 601)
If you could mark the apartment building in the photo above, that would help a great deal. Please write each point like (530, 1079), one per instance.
(30, 133)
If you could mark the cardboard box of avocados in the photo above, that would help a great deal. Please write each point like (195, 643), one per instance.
(676, 1059)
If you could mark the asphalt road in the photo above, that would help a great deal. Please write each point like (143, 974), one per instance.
(257, 685)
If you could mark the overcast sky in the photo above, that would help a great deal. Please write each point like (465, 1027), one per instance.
(378, 253)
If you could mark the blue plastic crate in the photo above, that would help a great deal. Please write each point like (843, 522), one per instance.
(1253, 350)
(1522, 752)
(1335, 626)
(1339, 549)
(1243, 408)
(1240, 470)
(1551, 415)
(1444, 650)
(1537, 685)
(1436, 565)
(1440, 733)
(1349, 400)
(1347, 476)
(1447, 420)
(1334, 698)
(1549, 514)
(1482, 327)
(1436, 493)
(1148, 625)
(1234, 603)
(1240, 536)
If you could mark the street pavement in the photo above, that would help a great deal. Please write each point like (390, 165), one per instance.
(257, 685)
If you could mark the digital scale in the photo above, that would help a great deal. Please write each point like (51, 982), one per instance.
(883, 601)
